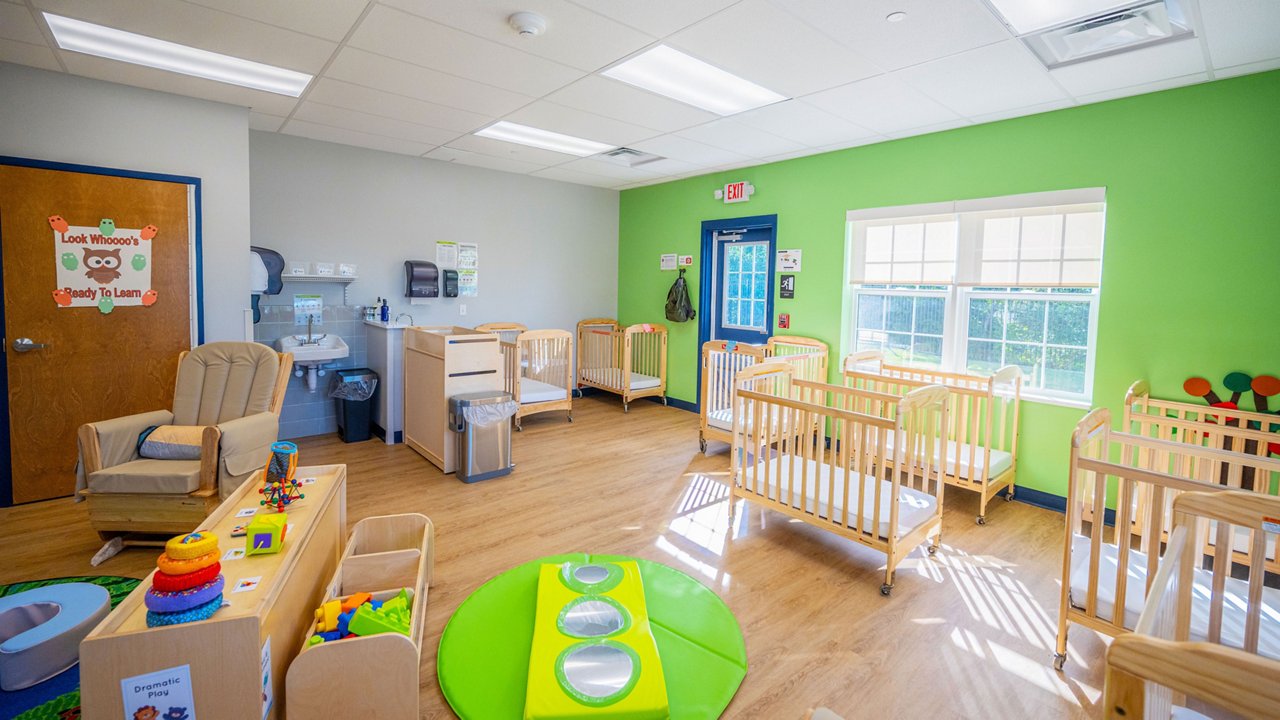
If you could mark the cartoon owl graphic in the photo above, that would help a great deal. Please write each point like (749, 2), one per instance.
(149, 298)
(107, 227)
(139, 262)
(106, 305)
(69, 261)
(103, 265)
(62, 297)
(148, 232)
(58, 224)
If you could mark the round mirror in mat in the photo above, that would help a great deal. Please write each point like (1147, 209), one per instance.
(588, 618)
(597, 671)
(483, 661)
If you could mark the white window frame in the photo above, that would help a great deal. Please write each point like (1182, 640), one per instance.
(948, 316)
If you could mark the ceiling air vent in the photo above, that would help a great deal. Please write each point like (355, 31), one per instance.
(627, 157)
(1121, 29)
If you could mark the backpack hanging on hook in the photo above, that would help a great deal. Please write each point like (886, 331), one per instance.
(679, 308)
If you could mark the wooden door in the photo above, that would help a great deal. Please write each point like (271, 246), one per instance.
(95, 365)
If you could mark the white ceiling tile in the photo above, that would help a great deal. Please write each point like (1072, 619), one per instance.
(1023, 111)
(664, 166)
(659, 18)
(27, 54)
(688, 151)
(464, 157)
(926, 129)
(397, 34)
(734, 136)
(16, 23)
(769, 47)
(1137, 67)
(152, 79)
(329, 19)
(203, 28)
(606, 169)
(1241, 31)
(510, 151)
(618, 100)
(791, 155)
(855, 143)
(799, 121)
(364, 122)
(265, 122)
(562, 174)
(1248, 69)
(571, 121)
(1158, 85)
(931, 29)
(574, 36)
(394, 76)
(644, 183)
(342, 136)
(385, 104)
(884, 104)
(986, 80)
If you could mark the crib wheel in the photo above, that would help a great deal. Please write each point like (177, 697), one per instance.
(570, 418)
(1059, 660)
(982, 520)
(885, 589)
(626, 408)
(702, 446)
(519, 429)
(664, 401)
(1008, 497)
(933, 549)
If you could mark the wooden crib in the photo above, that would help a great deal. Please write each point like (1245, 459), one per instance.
(721, 361)
(982, 441)
(630, 362)
(506, 331)
(1107, 568)
(1205, 633)
(538, 372)
(811, 451)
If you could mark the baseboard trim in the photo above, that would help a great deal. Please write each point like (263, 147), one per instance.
(1038, 498)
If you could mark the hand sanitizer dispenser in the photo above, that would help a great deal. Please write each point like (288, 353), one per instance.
(451, 283)
(421, 279)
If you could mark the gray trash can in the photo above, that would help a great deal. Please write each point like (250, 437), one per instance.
(482, 421)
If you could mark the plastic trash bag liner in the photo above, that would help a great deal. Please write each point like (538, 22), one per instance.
(353, 389)
(489, 413)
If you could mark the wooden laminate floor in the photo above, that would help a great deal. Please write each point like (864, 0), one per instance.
(966, 634)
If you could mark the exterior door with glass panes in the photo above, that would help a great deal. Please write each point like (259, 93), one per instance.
(744, 286)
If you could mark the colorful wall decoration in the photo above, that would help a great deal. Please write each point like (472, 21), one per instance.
(102, 266)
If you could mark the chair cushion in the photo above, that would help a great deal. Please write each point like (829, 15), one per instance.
(171, 442)
(224, 381)
(148, 476)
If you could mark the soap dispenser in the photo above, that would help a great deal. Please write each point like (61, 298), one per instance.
(385, 312)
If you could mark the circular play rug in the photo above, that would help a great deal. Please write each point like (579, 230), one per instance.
(483, 663)
(57, 698)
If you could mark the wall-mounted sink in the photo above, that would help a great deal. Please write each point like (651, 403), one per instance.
(322, 349)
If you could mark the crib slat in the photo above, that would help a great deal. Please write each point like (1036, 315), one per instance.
(1257, 573)
(1221, 566)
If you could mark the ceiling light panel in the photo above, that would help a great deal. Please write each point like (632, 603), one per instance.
(98, 40)
(1026, 16)
(1120, 31)
(671, 73)
(544, 139)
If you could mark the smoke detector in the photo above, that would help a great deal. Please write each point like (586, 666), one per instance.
(527, 24)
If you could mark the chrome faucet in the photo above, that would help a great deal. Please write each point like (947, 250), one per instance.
(311, 340)
(405, 315)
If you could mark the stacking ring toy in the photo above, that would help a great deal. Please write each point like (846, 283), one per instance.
(185, 547)
(199, 612)
(170, 566)
(182, 600)
(163, 582)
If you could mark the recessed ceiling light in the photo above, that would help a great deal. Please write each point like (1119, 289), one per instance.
(669, 72)
(1136, 26)
(544, 139)
(91, 39)
(896, 16)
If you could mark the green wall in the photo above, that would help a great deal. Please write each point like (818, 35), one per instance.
(1191, 273)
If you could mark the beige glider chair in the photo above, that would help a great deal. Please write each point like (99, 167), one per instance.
(234, 390)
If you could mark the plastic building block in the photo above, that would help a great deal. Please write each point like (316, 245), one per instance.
(344, 621)
(392, 616)
(327, 616)
(356, 601)
(265, 534)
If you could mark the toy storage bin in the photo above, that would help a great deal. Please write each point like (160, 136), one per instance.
(375, 675)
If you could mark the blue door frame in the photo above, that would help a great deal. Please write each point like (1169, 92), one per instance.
(6, 467)
(707, 282)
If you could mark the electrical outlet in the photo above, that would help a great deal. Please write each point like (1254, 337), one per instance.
(462, 309)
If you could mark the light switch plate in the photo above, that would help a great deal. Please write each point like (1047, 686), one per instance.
(462, 308)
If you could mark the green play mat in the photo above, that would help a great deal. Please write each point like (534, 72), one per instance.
(483, 663)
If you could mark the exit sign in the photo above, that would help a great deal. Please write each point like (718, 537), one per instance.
(736, 192)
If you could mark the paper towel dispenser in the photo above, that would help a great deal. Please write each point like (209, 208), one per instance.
(451, 283)
(421, 279)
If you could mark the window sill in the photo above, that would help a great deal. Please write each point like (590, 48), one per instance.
(1061, 402)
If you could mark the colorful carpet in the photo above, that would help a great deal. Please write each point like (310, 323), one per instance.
(57, 698)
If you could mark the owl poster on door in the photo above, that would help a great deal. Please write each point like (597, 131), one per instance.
(102, 266)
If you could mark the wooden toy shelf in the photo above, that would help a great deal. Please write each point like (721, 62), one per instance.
(374, 676)
(225, 651)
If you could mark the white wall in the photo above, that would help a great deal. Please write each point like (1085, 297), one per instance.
(54, 116)
(548, 250)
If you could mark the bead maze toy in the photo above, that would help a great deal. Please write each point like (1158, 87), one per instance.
(279, 488)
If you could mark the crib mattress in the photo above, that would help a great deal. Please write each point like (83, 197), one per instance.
(612, 377)
(914, 507)
(536, 391)
(967, 467)
(1237, 591)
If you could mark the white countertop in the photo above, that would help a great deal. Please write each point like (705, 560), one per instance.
(387, 325)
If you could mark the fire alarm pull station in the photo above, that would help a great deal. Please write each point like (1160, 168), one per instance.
(784, 321)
